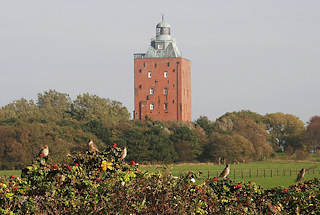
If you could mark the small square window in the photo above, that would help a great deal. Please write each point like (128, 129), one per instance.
(173, 70)
(140, 86)
(165, 74)
(165, 106)
(147, 97)
(144, 64)
(172, 101)
(165, 91)
(151, 106)
(149, 74)
(151, 91)
(168, 64)
(140, 70)
(155, 65)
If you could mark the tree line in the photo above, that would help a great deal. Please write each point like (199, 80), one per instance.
(66, 125)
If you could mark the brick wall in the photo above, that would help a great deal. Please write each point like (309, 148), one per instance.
(171, 96)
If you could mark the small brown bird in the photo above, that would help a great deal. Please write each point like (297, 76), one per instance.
(225, 172)
(44, 152)
(301, 174)
(273, 208)
(92, 147)
(124, 153)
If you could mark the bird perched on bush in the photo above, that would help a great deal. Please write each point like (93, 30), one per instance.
(272, 208)
(225, 172)
(301, 174)
(44, 152)
(92, 147)
(124, 153)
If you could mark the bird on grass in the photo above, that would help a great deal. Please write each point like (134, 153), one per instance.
(301, 174)
(92, 147)
(225, 172)
(123, 153)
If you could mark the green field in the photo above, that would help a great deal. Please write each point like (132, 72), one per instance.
(280, 171)
(259, 172)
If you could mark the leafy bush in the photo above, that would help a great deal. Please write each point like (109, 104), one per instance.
(102, 183)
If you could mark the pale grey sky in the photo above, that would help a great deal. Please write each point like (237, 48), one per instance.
(246, 54)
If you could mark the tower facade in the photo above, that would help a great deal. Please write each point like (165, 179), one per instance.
(162, 80)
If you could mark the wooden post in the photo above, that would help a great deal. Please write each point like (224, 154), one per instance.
(271, 173)
(234, 174)
(250, 172)
(241, 173)
(217, 173)
(290, 171)
(208, 174)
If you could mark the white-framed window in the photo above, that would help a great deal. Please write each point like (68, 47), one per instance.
(165, 91)
(165, 106)
(165, 74)
(151, 106)
(149, 74)
(151, 91)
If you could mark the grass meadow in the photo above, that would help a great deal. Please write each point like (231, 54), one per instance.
(265, 173)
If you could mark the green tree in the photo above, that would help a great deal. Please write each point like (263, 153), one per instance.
(312, 136)
(137, 144)
(54, 105)
(285, 130)
(91, 107)
(205, 124)
(160, 145)
(231, 148)
(186, 143)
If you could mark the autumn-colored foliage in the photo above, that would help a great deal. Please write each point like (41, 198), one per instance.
(102, 183)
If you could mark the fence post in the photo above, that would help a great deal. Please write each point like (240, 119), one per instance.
(234, 174)
(217, 173)
(290, 171)
(208, 174)
(241, 173)
(271, 173)
(250, 172)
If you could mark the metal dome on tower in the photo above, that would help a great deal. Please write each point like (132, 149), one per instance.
(163, 45)
(163, 30)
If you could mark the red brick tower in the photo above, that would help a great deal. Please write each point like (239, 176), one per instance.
(162, 80)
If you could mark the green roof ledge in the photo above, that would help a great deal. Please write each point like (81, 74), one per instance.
(163, 45)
